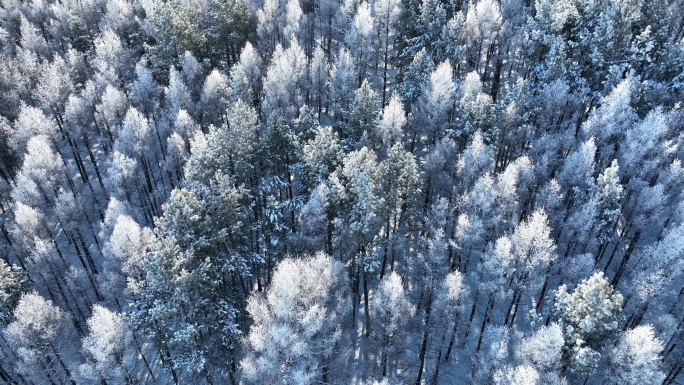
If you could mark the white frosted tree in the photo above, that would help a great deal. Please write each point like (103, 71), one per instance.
(315, 224)
(267, 26)
(122, 172)
(42, 174)
(392, 312)
(363, 115)
(518, 375)
(318, 76)
(30, 37)
(30, 122)
(293, 20)
(543, 350)
(192, 73)
(643, 144)
(359, 38)
(448, 308)
(123, 253)
(436, 103)
(240, 88)
(343, 82)
(177, 155)
(42, 336)
(389, 129)
(494, 354)
(468, 233)
(609, 121)
(588, 317)
(296, 337)
(29, 225)
(476, 109)
(657, 270)
(111, 58)
(479, 202)
(177, 95)
(636, 358)
(111, 110)
(134, 136)
(322, 155)
(532, 250)
(483, 24)
(120, 16)
(54, 87)
(250, 64)
(284, 81)
(215, 98)
(13, 283)
(513, 189)
(387, 14)
(476, 160)
(416, 76)
(576, 173)
(110, 350)
(438, 178)
(115, 208)
(184, 125)
(608, 196)
(144, 90)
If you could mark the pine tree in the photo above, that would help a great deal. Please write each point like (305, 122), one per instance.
(608, 195)
(363, 116)
(588, 317)
(13, 283)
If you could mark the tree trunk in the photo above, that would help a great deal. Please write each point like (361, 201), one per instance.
(485, 320)
(472, 315)
(452, 340)
(545, 287)
(365, 303)
(625, 259)
(423, 346)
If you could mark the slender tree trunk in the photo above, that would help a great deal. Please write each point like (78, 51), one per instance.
(61, 363)
(91, 156)
(515, 309)
(545, 287)
(365, 303)
(355, 289)
(472, 315)
(423, 346)
(485, 320)
(452, 340)
(384, 354)
(384, 64)
(324, 373)
(673, 373)
(625, 259)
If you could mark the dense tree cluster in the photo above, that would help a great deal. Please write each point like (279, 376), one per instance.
(317, 191)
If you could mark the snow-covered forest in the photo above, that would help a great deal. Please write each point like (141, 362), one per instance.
(366, 192)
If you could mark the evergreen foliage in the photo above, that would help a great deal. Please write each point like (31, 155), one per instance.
(321, 191)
